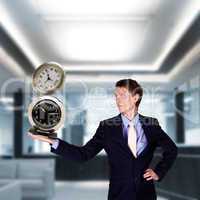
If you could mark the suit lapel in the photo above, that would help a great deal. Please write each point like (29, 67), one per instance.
(144, 122)
(118, 126)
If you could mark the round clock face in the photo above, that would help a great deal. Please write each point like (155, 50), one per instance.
(46, 113)
(48, 77)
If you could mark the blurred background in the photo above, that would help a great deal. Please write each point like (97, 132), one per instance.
(155, 42)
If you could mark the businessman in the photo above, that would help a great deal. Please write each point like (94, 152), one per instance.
(129, 139)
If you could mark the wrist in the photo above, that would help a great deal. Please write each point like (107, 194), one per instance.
(50, 141)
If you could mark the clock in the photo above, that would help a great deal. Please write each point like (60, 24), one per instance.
(47, 78)
(46, 113)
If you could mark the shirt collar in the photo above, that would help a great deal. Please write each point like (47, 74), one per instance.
(126, 121)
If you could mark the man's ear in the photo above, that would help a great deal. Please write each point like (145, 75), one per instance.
(136, 97)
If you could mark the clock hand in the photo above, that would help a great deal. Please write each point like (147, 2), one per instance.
(49, 77)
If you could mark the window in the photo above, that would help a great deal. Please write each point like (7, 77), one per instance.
(6, 126)
(192, 116)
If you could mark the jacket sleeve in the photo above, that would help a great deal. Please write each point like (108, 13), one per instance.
(169, 151)
(82, 153)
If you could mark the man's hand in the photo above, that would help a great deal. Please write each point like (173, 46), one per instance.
(150, 175)
(41, 138)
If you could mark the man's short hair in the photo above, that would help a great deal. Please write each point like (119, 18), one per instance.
(133, 87)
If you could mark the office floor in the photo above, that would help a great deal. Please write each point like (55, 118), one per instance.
(94, 190)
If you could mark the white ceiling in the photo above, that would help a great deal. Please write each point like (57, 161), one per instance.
(127, 35)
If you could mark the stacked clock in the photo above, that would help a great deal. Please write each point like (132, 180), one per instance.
(46, 112)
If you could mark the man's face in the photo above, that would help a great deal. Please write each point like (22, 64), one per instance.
(124, 99)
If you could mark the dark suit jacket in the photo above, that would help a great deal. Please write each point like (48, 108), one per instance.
(126, 171)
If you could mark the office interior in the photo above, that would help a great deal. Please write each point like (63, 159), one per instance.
(97, 43)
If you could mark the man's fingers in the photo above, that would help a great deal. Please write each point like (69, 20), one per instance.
(147, 173)
(150, 178)
(150, 174)
(31, 135)
(38, 137)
